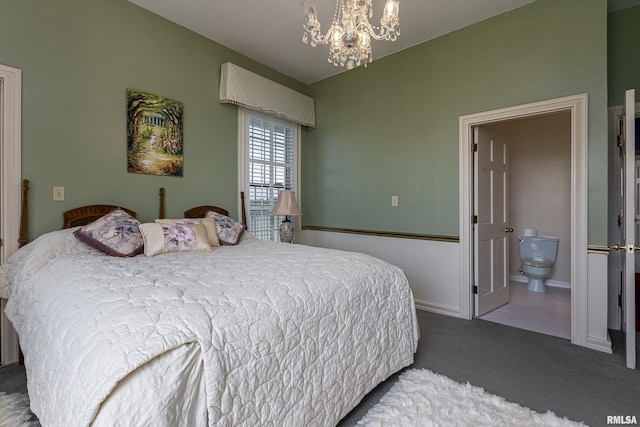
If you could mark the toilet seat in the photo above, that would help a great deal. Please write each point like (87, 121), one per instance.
(534, 271)
(537, 263)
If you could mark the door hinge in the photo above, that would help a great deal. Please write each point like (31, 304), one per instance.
(619, 300)
(1, 243)
(475, 289)
(474, 219)
(620, 145)
(475, 147)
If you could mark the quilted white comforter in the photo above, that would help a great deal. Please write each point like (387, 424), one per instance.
(285, 335)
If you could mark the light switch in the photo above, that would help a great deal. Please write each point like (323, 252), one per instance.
(394, 200)
(58, 194)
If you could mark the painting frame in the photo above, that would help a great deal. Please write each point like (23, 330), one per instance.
(155, 136)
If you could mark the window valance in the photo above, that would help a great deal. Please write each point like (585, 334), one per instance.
(250, 90)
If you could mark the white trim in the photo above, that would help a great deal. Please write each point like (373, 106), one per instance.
(597, 332)
(243, 159)
(578, 105)
(296, 174)
(11, 160)
(438, 309)
(10, 154)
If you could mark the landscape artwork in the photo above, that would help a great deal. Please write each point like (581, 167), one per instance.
(154, 134)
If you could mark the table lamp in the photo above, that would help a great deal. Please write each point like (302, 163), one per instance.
(287, 206)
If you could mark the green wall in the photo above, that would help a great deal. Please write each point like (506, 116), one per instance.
(623, 51)
(388, 129)
(78, 57)
(392, 128)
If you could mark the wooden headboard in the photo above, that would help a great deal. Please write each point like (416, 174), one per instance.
(200, 211)
(87, 214)
(23, 234)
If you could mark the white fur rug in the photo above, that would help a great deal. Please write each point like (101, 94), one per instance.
(14, 410)
(423, 398)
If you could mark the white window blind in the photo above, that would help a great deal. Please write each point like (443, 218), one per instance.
(271, 166)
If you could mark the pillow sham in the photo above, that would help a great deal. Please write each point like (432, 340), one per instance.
(209, 224)
(116, 234)
(165, 238)
(229, 231)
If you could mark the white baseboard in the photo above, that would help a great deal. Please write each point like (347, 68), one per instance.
(552, 283)
(8, 339)
(438, 309)
(599, 344)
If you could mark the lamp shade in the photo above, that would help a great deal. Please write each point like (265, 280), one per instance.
(286, 204)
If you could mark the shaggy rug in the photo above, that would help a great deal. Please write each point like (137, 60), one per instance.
(423, 398)
(15, 412)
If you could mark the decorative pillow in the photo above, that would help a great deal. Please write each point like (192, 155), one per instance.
(229, 231)
(115, 234)
(209, 224)
(165, 238)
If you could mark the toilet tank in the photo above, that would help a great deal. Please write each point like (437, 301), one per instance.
(540, 249)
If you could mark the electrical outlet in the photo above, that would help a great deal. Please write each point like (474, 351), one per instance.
(394, 200)
(58, 194)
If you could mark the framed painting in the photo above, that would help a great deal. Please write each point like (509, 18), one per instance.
(154, 134)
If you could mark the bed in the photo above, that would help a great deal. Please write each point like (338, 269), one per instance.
(254, 333)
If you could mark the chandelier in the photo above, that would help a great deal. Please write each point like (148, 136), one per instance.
(349, 37)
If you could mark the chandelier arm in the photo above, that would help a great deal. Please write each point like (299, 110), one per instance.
(350, 34)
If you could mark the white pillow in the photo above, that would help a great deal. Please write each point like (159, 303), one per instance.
(209, 224)
(165, 238)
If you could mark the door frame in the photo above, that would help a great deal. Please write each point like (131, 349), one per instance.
(10, 139)
(10, 175)
(578, 106)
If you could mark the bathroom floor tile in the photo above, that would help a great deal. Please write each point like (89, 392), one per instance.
(547, 313)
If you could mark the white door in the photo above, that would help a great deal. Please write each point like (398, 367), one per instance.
(629, 228)
(491, 228)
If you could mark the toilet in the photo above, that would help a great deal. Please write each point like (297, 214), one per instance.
(537, 256)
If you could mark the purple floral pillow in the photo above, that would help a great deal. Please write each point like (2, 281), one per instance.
(209, 224)
(229, 231)
(164, 238)
(115, 234)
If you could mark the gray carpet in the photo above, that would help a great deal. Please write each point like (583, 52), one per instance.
(537, 371)
(540, 372)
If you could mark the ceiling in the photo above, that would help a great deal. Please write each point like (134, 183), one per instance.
(270, 32)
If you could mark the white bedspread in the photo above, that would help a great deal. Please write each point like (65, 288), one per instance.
(289, 335)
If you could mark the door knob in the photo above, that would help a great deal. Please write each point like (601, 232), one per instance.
(508, 230)
(628, 248)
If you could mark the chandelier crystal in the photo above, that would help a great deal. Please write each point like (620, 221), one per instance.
(350, 34)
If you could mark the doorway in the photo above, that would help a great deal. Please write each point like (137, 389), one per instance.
(538, 201)
(576, 106)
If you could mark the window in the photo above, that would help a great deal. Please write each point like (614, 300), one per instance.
(269, 162)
